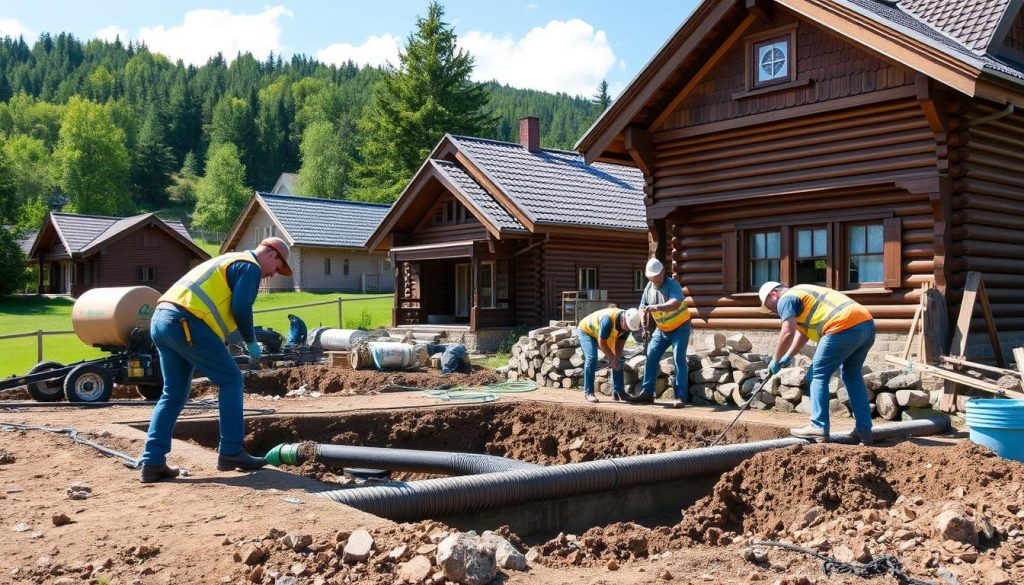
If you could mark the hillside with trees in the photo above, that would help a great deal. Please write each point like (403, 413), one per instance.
(120, 130)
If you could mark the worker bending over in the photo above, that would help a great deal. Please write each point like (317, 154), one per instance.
(663, 300)
(189, 327)
(844, 331)
(606, 329)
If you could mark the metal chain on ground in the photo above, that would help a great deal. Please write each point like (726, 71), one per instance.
(887, 565)
(73, 434)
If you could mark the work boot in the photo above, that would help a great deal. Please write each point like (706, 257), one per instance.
(643, 399)
(240, 460)
(152, 473)
(590, 397)
(810, 432)
(677, 403)
(866, 438)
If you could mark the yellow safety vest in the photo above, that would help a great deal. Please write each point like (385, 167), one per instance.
(825, 311)
(669, 320)
(591, 324)
(205, 293)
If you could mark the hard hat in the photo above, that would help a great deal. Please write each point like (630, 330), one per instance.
(281, 247)
(765, 289)
(633, 320)
(654, 267)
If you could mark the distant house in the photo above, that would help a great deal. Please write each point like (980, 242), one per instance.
(75, 253)
(488, 235)
(327, 238)
(285, 184)
(872, 146)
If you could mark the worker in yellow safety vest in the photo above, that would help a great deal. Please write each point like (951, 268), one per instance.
(189, 326)
(606, 330)
(844, 331)
(663, 300)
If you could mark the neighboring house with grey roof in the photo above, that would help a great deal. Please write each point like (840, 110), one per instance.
(488, 235)
(327, 239)
(285, 184)
(870, 146)
(75, 253)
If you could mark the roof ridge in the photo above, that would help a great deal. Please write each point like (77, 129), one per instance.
(324, 199)
(479, 139)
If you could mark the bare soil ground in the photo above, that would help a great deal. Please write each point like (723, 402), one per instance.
(838, 500)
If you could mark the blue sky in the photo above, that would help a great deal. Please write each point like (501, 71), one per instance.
(563, 45)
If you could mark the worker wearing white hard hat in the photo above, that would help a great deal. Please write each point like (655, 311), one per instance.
(663, 301)
(844, 331)
(606, 330)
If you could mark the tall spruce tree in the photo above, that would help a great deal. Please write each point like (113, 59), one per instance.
(414, 104)
(153, 163)
(601, 99)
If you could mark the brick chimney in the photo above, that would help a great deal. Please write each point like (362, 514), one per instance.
(529, 133)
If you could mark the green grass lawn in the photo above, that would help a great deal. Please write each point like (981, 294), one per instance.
(211, 248)
(28, 314)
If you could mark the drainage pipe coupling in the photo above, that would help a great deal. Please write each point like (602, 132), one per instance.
(442, 462)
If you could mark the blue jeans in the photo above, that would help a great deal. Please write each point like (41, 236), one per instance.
(679, 339)
(178, 361)
(845, 351)
(589, 346)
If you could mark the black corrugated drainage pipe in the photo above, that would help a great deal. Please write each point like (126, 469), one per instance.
(433, 498)
(337, 456)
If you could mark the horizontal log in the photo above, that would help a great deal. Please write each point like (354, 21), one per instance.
(877, 311)
(978, 248)
(988, 173)
(925, 266)
(987, 265)
(977, 186)
(924, 236)
(917, 222)
(701, 278)
(986, 385)
(973, 231)
(988, 218)
(899, 297)
(697, 242)
(894, 325)
(995, 295)
(957, 279)
(926, 250)
(697, 254)
(785, 208)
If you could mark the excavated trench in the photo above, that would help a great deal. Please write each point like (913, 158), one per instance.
(537, 433)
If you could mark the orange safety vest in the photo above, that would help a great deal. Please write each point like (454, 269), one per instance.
(591, 324)
(825, 311)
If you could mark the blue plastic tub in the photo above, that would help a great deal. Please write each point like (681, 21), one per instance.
(998, 424)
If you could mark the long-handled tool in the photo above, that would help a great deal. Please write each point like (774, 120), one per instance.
(756, 392)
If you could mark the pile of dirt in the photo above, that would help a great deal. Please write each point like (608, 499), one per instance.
(957, 510)
(337, 380)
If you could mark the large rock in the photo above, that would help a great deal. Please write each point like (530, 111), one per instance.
(904, 382)
(876, 381)
(710, 375)
(705, 392)
(565, 353)
(790, 393)
(715, 341)
(804, 406)
(661, 385)
(506, 556)
(358, 547)
(715, 362)
(792, 376)
(888, 408)
(463, 558)
(912, 398)
(837, 408)
(784, 406)
(738, 342)
(955, 524)
(415, 571)
(667, 366)
(910, 414)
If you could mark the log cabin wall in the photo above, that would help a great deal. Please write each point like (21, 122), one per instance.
(616, 257)
(447, 221)
(987, 156)
(529, 284)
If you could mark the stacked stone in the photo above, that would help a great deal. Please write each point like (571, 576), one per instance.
(897, 395)
(727, 372)
(549, 356)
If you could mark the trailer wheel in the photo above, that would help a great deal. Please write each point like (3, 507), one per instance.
(50, 390)
(150, 391)
(88, 383)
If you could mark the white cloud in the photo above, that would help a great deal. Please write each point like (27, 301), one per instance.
(376, 50)
(111, 32)
(205, 32)
(570, 57)
(12, 27)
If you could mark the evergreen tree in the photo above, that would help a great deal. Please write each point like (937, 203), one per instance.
(154, 161)
(601, 99)
(414, 105)
(324, 171)
(91, 160)
(221, 194)
(13, 271)
(184, 183)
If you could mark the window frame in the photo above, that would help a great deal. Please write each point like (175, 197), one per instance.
(488, 266)
(580, 271)
(639, 280)
(327, 266)
(736, 255)
(144, 270)
(747, 268)
(846, 255)
(827, 227)
(785, 34)
(345, 268)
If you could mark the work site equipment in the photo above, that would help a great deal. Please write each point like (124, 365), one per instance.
(115, 320)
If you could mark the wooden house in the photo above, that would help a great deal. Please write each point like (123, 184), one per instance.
(488, 235)
(327, 239)
(75, 253)
(867, 145)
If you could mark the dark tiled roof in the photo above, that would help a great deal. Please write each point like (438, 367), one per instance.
(558, 187)
(886, 11)
(325, 222)
(485, 203)
(86, 231)
(970, 22)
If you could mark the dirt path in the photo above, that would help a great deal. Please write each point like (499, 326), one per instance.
(201, 528)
